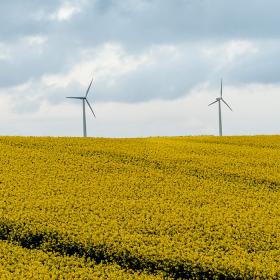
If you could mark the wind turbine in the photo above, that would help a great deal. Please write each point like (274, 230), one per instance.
(84, 101)
(219, 99)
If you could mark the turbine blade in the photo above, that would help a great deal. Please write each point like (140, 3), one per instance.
(213, 103)
(74, 97)
(226, 104)
(222, 87)
(90, 107)
(88, 88)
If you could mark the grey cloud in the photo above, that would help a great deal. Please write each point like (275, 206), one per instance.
(261, 67)
(143, 21)
(138, 25)
(31, 62)
(29, 101)
(22, 18)
(167, 78)
(160, 21)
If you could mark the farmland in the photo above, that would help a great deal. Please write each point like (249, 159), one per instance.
(143, 208)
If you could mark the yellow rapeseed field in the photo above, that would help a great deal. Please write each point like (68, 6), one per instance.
(143, 208)
(21, 263)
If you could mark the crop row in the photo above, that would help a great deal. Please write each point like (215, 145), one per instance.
(20, 263)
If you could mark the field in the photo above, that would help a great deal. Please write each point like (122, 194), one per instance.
(145, 208)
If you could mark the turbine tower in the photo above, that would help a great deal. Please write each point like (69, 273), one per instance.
(84, 101)
(219, 99)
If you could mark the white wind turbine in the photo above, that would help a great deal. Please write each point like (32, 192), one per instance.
(219, 99)
(84, 100)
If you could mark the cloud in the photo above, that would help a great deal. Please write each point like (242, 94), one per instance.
(5, 53)
(107, 62)
(261, 67)
(65, 12)
(139, 51)
(60, 31)
(35, 40)
(231, 51)
(140, 22)
(157, 72)
(187, 115)
(159, 22)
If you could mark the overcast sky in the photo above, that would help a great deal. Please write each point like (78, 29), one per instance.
(156, 65)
